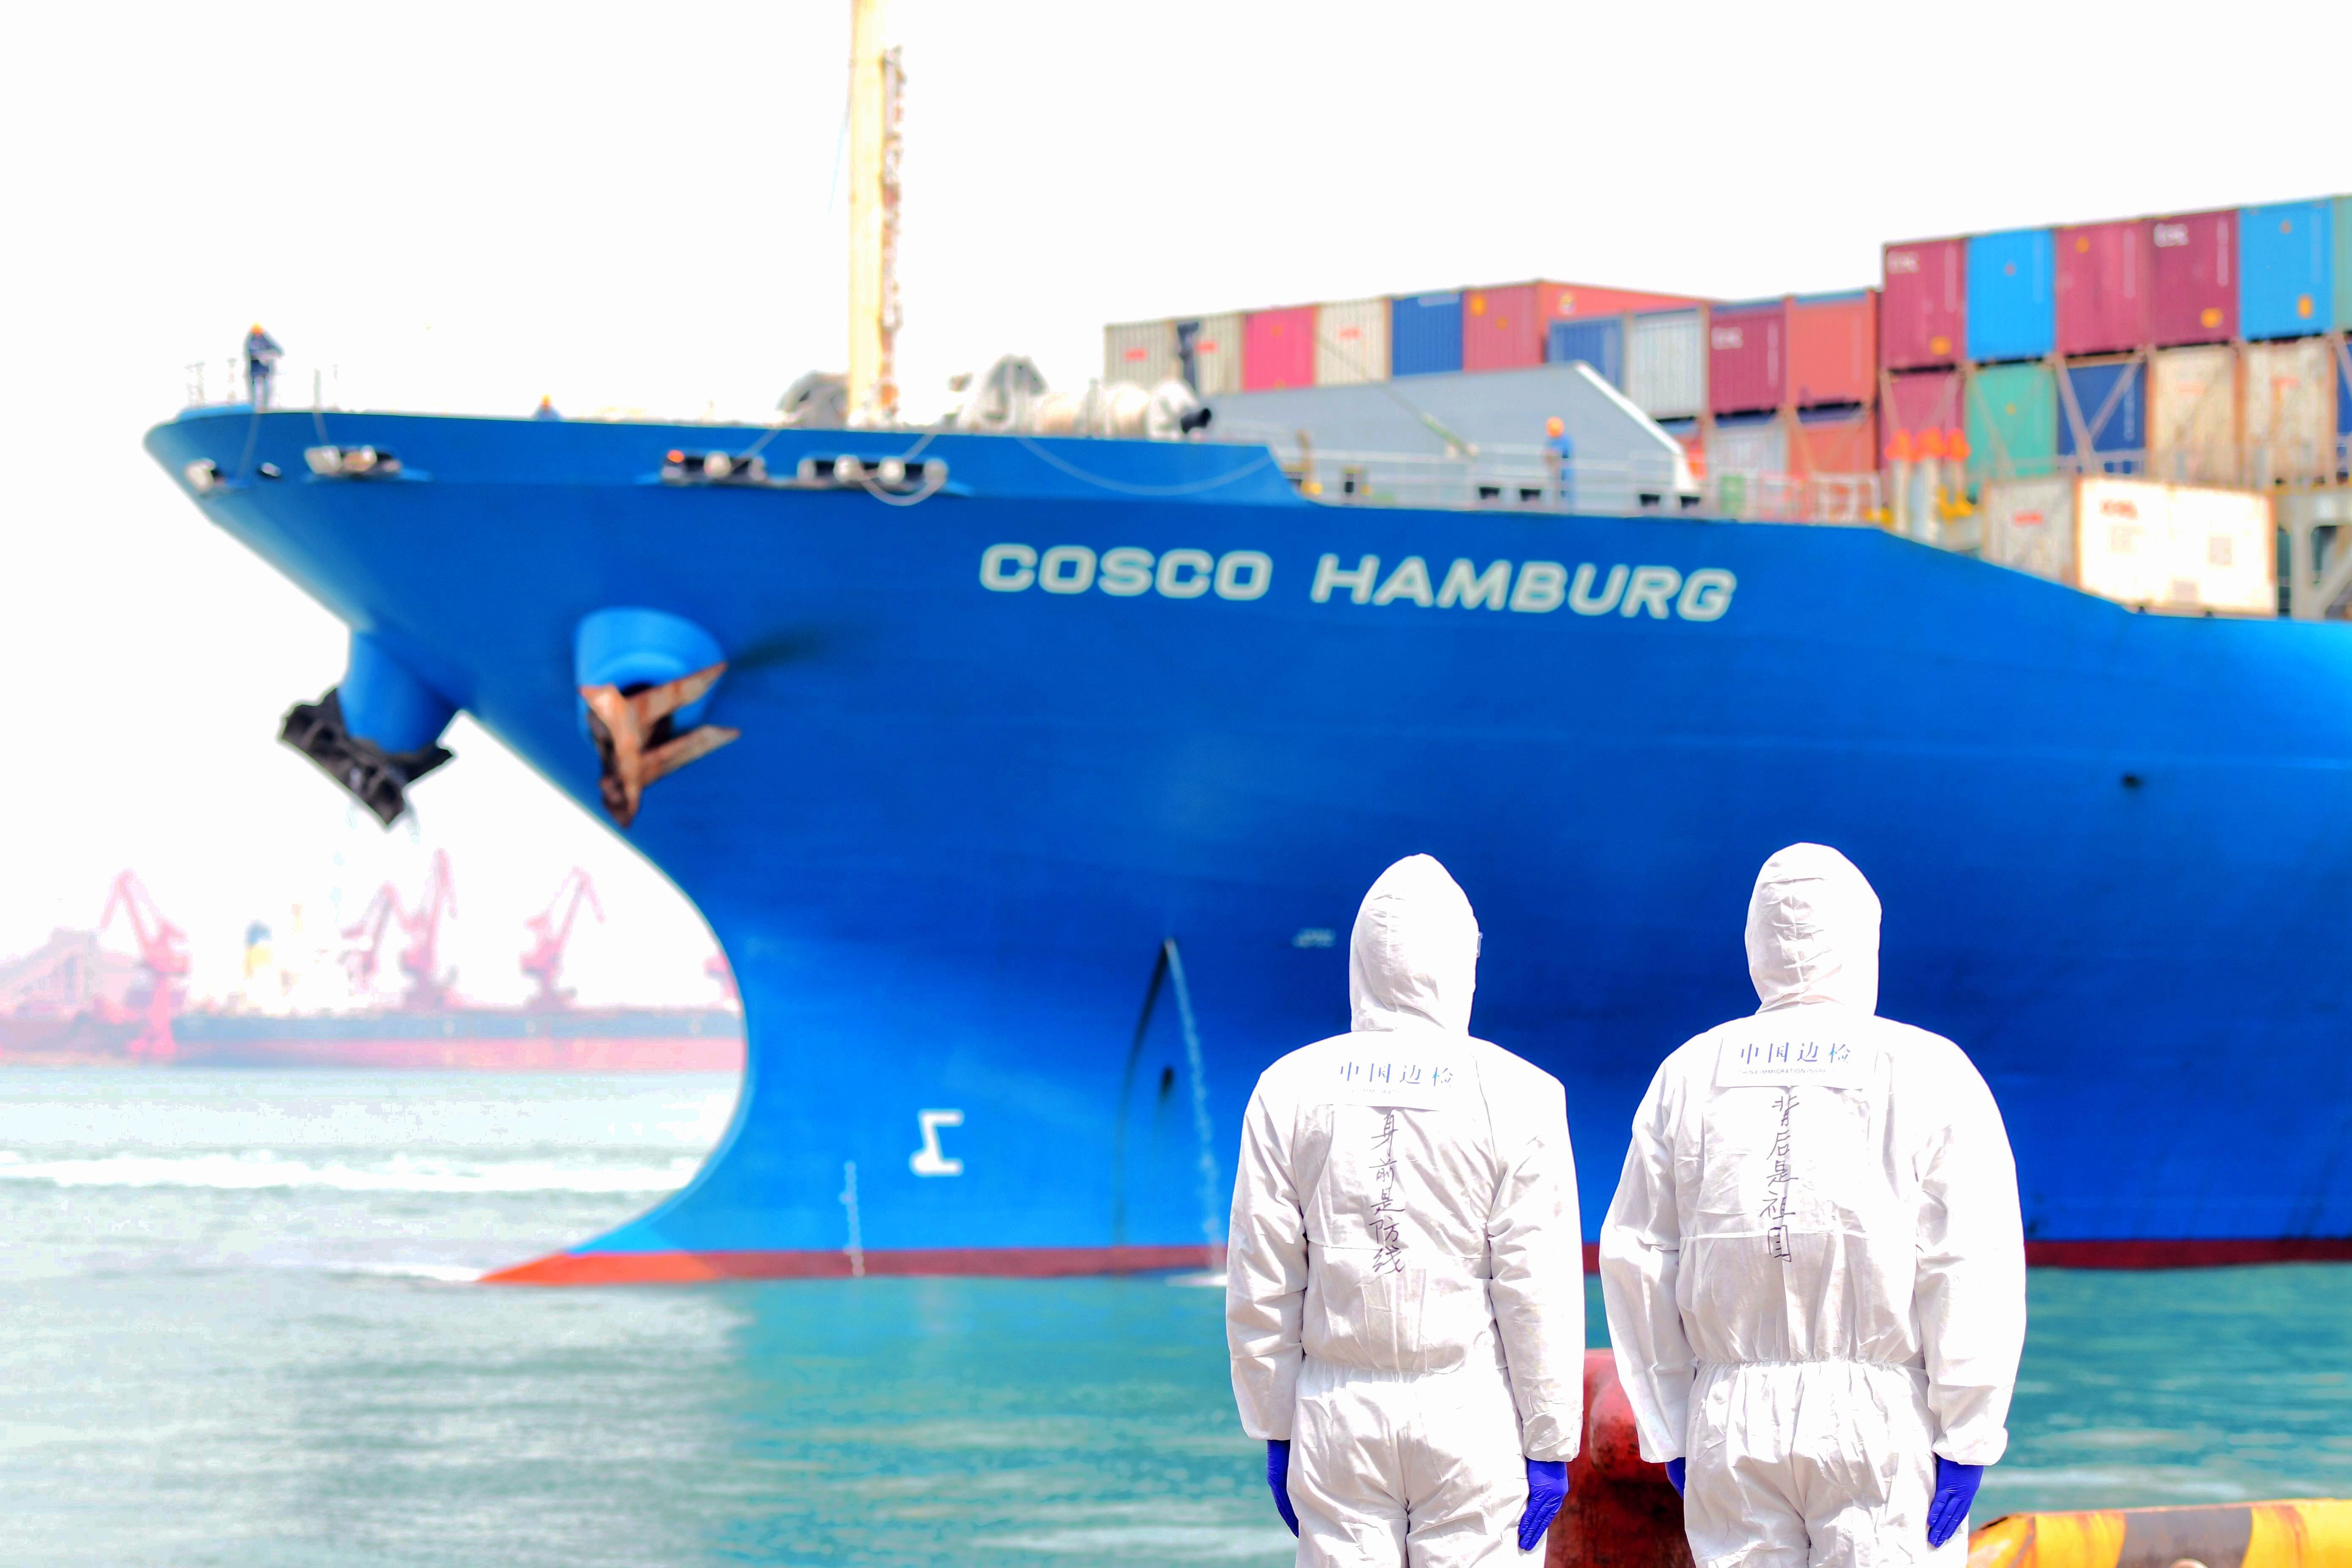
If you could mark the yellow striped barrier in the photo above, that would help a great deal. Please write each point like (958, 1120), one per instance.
(2300, 1533)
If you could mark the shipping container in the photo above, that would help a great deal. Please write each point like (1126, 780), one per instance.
(1141, 352)
(1425, 335)
(2196, 269)
(2286, 269)
(1565, 302)
(2176, 547)
(1502, 328)
(1351, 342)
(2289, 412)
(2028, 525)
(1921, 401)
(1923, 306)
(2012, 312)
(1209, 353)
(2340, 221)
(2192, 416)
(1835, 441)
(1278, 349)
(1747, 356)
(2103, 416)
(1751, 444)
(1599, 341)
(1665, 363)
(1833, 348)
(2106, 287)
(2012, 422)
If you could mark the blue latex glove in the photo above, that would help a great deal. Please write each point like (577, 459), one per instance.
(1675, 1470)
(1277, 1478)
(1956, 1489)
(1547, 1489)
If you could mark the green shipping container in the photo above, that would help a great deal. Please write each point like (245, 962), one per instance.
(2343, 220)
(2012, 422)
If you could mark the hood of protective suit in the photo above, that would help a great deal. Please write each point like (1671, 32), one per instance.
(1413, 959)
(1812, 932)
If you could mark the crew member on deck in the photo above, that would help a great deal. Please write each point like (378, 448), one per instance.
(261, 352)
(1559, 457)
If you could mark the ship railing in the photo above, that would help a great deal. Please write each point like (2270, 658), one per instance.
(1741, 496)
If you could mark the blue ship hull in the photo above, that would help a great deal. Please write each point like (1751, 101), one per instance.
(962, 820)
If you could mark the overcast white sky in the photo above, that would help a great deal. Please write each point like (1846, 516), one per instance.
(463, 206)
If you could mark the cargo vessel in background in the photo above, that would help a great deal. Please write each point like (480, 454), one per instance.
(1030, 779)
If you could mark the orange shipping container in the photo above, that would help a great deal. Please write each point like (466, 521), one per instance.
(1833, 348)
(1844, 443)
(1506, 328)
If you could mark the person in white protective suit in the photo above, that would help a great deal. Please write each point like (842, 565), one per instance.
(1813, 1269)
(1405, 1296)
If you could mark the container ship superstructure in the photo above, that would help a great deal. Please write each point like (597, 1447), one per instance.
(1029, 777)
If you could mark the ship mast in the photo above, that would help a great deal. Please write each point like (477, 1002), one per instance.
(875, 84)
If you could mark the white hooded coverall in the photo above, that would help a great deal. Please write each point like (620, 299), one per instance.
(1813, 1269)
(1406, 1288)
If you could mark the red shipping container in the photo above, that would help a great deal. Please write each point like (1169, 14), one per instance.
(1278, 349)
(1564, 301)
(1923, 314)
(2196, 270)
(1502, 329)
(1845, 444)
(1748, 357)
(1922, 401)
(2106, 287)
(1833, 349)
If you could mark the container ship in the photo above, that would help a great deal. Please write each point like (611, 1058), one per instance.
(1029, 768)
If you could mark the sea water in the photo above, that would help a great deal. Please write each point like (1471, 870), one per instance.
(237, 1326)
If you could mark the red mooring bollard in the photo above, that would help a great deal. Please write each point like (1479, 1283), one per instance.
(1620, 1512)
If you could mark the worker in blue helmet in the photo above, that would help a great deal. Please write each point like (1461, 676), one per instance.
(261, 356)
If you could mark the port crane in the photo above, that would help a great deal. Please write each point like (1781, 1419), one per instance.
(163, 952)
(544, 960)
(428, 987)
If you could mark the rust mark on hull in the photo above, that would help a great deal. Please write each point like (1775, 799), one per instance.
(631, 737)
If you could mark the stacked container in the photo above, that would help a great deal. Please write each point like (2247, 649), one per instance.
(1833, 349)
(2105, 286)
(1425, 335)
(2192, 416)
(2193, 258)
(2288, 412)
(1351, 342)
(2286, 269)
(2012, 421)
(1278, 349)
(1747, 358)
(1599, 343)
(2011, 310)
(2103, 415)
(1143, 352)
(1923, 312)
(1665, 363)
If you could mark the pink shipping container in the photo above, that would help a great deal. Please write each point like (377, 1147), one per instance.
(1502, 329)
(1748, 357)
(1833, 349)
(1278, 349)
(2196, 269)
(1921, 402)
(2106, 287)
(1923, 314)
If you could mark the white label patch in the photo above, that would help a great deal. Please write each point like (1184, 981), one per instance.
(1422, 1083)
(1830, 1062)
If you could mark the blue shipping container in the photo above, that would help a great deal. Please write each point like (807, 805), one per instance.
(2113, 402)
(1599, 343)
(2013, 296)
(1425, 335)
(2286, 270)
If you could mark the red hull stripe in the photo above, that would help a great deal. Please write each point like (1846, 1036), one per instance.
(699, 1268)
(1046, 1262)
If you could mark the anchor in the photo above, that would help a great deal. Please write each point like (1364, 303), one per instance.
(632, 731)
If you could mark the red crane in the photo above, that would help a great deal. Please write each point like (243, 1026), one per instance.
(166, 960)
(544, 961)
(428, 987)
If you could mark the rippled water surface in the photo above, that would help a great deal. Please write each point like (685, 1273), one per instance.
(236, 1327)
